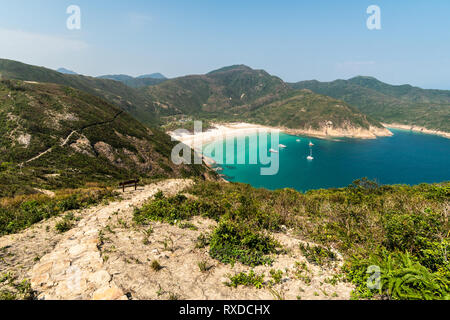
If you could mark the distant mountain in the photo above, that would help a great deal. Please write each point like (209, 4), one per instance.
(138, 82)
(402, 104)
(66, 71)
(65, 137)
(115, 92)
(239, 93)
(217, 91)
(153, 76)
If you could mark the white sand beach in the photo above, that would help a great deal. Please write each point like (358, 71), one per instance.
(220, 132)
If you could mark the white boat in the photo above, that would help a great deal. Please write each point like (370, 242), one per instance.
(298, 140)
(310, 157)
(311, 144)
(282, 146)
(273, 151)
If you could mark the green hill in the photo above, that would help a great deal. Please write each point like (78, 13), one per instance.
(115, 92)
(217, 91)
(239, 93)
(155, 75)
(138, 82)
(309, 111)
(56, 136)
(403, 104)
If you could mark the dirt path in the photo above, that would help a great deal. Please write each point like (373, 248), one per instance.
(66, 140)
(74, 269)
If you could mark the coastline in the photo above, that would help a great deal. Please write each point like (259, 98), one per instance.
(418, 129)
(223, 130)
(330, 133)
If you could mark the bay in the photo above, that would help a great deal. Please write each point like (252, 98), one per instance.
(405, 158)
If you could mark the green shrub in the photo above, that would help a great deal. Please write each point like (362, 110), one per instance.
(435, 255)
(202, 241)
(188, 225)
(232, 241)
(155, 265)
(13, 289)
(204, 266)
(64, 226)
(317, 254)
(22, 212)
(277, 275)
(410, 231)
(168, 210)
(402, 277)
(249, 280)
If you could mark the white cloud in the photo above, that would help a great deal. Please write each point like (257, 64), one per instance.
(40, 49)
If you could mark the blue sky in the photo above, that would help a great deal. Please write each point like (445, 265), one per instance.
(295, 40)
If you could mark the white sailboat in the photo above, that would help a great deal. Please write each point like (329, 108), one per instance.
(310, 157)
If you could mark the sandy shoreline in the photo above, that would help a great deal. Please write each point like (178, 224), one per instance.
(222, 131)
(416, 129)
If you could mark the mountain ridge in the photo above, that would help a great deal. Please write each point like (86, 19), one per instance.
(66, 71)
(115, 92)
(136, 82)
(400, 104)
(239, 92)
(233, 92)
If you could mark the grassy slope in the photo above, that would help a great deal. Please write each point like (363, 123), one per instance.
(400, 104)
(402, 229)
(48, 113)
(127, 98)
(304, 110)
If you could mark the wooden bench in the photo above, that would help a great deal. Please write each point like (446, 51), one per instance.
(129, 184)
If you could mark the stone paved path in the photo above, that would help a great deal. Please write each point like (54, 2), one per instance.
(74, 269)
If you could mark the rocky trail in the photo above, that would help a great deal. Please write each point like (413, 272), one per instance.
(69, 265)
(67, 139)
(107, 257)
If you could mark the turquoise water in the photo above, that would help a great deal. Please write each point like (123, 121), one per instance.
(406, 158)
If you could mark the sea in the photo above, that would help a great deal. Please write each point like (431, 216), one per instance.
(405, 158)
